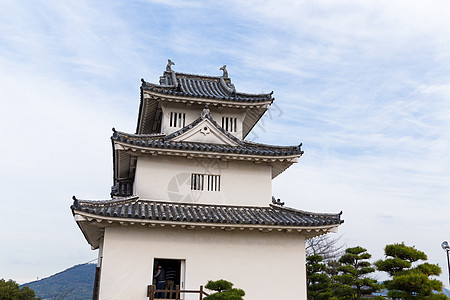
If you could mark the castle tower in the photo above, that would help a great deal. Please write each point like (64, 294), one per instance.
(192, 194)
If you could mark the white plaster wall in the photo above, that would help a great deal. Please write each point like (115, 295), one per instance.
(217, 115)
(168, 178)
(265, 265)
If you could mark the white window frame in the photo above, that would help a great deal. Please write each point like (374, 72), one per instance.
(229, 124)
(177, 119)
(213, 183)
(205, 182)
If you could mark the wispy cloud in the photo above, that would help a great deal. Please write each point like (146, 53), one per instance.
(364, 86)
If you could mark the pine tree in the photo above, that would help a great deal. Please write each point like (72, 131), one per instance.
(318, 282)
(353, 280)
(225, 291)
(408, 281)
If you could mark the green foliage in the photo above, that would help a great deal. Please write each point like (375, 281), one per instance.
(428, 269)
(404, 252)
(225, 291)
(352, 281)
(392, 265)
(409, 282)
(399, 258)
(219, 285)
(10, 290)
(318, 282)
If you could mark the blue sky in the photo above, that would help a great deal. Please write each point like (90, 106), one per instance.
(364, 85)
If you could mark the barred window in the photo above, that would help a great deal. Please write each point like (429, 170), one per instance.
(177, 119)
(229, 124)
(214, 183)
(200, 182)
(197, 182)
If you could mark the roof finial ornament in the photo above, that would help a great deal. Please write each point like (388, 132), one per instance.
(206, 113)
(75, 201)
(277, 201)
(225, 72)
(169, 65)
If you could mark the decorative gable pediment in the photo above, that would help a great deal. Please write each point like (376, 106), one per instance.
(205, 132)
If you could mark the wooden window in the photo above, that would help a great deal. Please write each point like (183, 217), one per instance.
(177, 119)
(229, 124)
(197, 182)
(200, 182)
(214, 183)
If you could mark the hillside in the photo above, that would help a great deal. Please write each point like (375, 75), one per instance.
(75, 283)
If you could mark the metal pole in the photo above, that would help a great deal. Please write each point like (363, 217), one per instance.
(448, 264)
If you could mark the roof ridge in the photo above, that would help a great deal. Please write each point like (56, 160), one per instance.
(148, 84)
(305, 212)
(251, 143)
(201, 204)
(214, 87)
(249, 95)
(197, 75)
(138, 135)
(76, 202)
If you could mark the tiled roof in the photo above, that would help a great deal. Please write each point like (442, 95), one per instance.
(212, 87)
(243, 147)
(134, 208)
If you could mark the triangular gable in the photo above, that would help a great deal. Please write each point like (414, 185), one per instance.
(207, 132)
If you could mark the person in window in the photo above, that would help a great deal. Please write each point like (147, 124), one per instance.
(160, 278)
(170, 280)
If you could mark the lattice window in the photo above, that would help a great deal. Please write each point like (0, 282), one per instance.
(213, 183)
(229, 124)
(201, 182)
(197, 182)
(177, 119)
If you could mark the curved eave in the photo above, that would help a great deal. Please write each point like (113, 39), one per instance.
(150, 101)
(279, 162)
(210, 101)
(93, 225)
(248, 99)
(206, 154)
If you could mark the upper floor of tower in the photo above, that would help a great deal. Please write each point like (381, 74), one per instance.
(179, 98)
(190, 144)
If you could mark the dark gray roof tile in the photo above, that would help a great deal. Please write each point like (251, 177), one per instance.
(133, 208)
(243, 147)
(190, 85)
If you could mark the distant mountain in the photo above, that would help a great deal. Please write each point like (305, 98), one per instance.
(75, 283)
